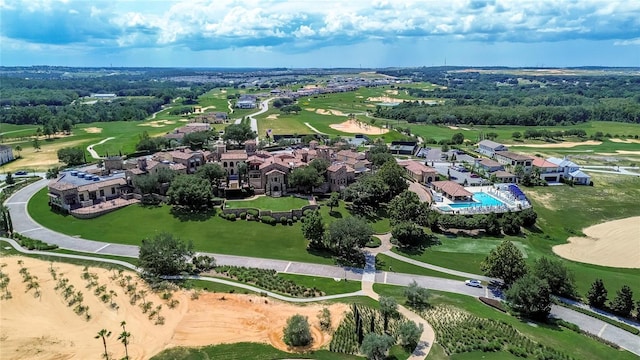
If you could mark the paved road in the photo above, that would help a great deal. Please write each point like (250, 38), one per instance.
(23, 223)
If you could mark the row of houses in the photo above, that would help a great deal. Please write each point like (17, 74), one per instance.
(550, 169)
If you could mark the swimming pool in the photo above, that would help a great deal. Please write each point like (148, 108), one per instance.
(481, 199)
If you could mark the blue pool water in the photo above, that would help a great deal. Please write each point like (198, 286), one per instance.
(480, 199)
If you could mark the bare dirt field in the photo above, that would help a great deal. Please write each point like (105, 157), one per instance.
(45, 327)
(561, 145)
(356, 127)
(93, 130)
(384, 99)
(614, 243)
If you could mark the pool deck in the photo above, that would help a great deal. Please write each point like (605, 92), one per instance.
(508, 202)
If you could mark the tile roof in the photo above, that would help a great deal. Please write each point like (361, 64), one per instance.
(489, 163)
(100, 184)
(542, 163)
(500, 174)
(416, 167)
(514, 156)
(234, 155)
(452, 188)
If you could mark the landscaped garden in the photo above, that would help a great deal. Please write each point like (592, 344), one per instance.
(284, 203)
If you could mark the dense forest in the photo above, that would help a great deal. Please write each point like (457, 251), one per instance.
(503, 99)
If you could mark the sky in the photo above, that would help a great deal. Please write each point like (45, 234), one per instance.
(320, 33)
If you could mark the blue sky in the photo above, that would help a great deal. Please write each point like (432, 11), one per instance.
(320, 33)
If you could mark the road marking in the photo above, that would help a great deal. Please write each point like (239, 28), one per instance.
(287, 268)
(385, 277)
(38, 228)
(102, 248)
(602, 330)
(16, 203)
(486, 292)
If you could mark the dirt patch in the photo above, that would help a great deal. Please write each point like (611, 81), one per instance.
(384, 99)
(357, 127)
(614, 243)
(43, 159)
(273, 116)
(626, 141)
(561, 145)
(46, 328)
(545, 199)
(93, 130)
(392, 92)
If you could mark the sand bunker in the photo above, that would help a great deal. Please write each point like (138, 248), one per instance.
(626, 141)
(392, 92)
(158, 123)
(561, 145)
(458, 128)
(330, 112)
(614, 243)
(46, 328)
(384, 99)
(357, 127)
(93, 130)
(273, 116)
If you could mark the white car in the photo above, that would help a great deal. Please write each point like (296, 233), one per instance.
(474, 283)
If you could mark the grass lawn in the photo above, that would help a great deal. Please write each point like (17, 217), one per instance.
(269, 203)
(245, 351)
(562, 339)
(384, 263)
(328, 285)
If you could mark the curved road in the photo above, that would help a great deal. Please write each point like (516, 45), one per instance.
(24, 224)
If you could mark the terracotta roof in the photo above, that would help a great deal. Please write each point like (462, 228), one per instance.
(100, 184)
(177, 166)
(234, 155)
(351, 154)
(502, 174)
(489, 163)
(275, 171)
(513, 156)
(136, 171)
(335, 167)
(451, 188)
(60, 185)
(416, 167)
(542, 163)
(186, 154)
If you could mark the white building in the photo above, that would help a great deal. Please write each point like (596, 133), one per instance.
(489, 148)
(6, 154)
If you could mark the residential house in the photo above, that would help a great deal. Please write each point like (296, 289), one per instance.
(339, 175)
(452, 190)
(357, 160)
(74, 189)
(419, 171)
(6, 154)
(489, 165)
(504, 176)
(580, 178)
(513, 159)
(403, 147)
(490, 148)
(549, 171)
(246, 102)
(565, 166)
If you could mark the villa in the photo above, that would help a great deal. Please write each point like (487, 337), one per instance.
(570, 170)
(490, 148)
(513, 159)
(419, 171)
(489, 165)
(246, 102)
(549, 171)
(504, 176)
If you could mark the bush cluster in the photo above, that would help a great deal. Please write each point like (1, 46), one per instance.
(268, 280)
(33, 244)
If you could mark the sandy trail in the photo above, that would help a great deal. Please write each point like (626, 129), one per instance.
(614, 243)
(93, 153)
(46, 328)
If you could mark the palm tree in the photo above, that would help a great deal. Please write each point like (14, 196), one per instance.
(124, 338)
(104, 334)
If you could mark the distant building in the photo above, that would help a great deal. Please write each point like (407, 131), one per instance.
(504, 177)
(6, 154)
(403, 147)
(512, 159)
(490, 148)
(419, 171)
(452, 190)
(104, 96)
(246, 102)
(489, 165)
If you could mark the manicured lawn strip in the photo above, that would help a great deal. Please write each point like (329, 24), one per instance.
(209, 233)
(269, 203)
(608, 320)
(437, 353)
(130, 260)
(565, 340)
(483, 355)
(384, 263)
(459, 261)
(327, 285)
(244, 351)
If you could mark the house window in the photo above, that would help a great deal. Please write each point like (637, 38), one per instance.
(231, 163)
(81, 197)
(113, 191)
(224, 164)
(101, 192)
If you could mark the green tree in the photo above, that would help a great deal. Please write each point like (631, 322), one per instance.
(408, 207)
(492, 224)
(375, 346)
(388, 309)
(71, 156)
(334, 201)
(238, 133)
(408, 233)
(366, 193)
(104, 334)
(505, 262)
(511, 223)
(146, 184)
(417, 296)
(597, 294)
(297, 332)
(214, 173)
(36, 144)
(560, 279)
(164, 255)
(18, 148)
(320, 165)
(197, 140)
(191, 192)
(516, 135)
(528, 217)
(9, 178)
(313, 229)
(457, 138)
(346, 236)
(622, 304)
(124, 339)
(392, 174)
(5, 219)
(530, 296)
(305, 177)
(324, 317)
(146, 143)
(409, 334)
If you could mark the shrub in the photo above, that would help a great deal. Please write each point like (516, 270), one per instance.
(283, 220)
(243, 215)
(297, 332)
(289, 222)
(496, 304)
(295, 218)
(307, 212)
(231, 217)
(268, 220)
(253, 212)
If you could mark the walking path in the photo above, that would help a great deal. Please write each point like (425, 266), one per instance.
(314, 129)
(93, 153)
(23, 223)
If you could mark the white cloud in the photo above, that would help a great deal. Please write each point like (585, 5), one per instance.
(635, 41)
